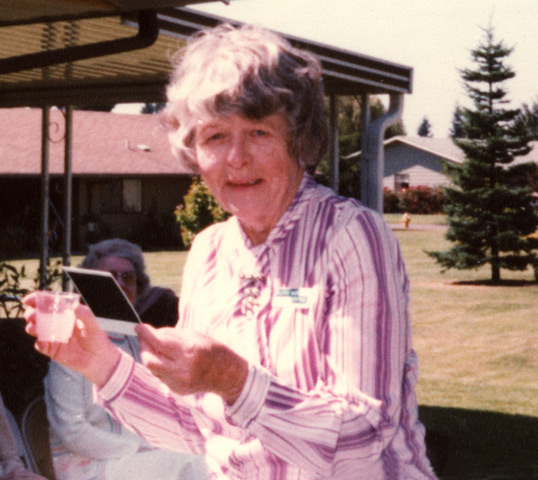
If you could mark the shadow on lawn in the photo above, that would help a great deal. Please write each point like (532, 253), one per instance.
(500, 283)
(462, 444)
(473, 444)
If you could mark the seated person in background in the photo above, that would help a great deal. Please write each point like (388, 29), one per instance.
(155, 305)
(11, 465)
(86, 442)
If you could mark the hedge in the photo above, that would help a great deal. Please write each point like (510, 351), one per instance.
(419, 199)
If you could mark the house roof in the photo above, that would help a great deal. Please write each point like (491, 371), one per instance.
(103, 144)
(445, 148)
(442, 147)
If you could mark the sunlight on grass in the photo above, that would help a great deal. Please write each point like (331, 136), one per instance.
(477, 344)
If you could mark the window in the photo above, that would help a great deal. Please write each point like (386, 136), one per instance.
(132, 196)
(110, 197)
(116, 196)
(401, 181)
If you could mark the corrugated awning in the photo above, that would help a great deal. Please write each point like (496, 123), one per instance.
(54, 34)
(39, 11)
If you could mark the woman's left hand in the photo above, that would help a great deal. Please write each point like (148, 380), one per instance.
(189, 362)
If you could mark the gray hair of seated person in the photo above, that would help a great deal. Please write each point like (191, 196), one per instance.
(252, 72)
(117, 247)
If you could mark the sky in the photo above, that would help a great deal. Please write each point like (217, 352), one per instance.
(434, 37)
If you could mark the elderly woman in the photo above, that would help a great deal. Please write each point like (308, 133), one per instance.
(86, 442)
(292, 358)
(125, 261)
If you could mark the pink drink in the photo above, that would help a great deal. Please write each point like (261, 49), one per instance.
(55, 315)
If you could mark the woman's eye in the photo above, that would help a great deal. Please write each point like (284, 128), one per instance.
(214, 136)
(260, 133)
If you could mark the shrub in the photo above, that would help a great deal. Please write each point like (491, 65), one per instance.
(391, 201)
(419, 199)
(12, 291)
(422, 199)
(200, 211)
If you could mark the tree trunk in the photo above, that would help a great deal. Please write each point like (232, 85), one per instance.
(495, 273)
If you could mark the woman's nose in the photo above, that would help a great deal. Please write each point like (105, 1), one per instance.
(239, 152)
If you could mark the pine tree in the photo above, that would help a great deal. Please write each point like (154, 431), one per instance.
(490, 212)
(528, 119)
(425, 128)
(456, 131)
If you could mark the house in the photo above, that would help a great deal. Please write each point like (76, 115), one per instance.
(126, 182)
(414, 161)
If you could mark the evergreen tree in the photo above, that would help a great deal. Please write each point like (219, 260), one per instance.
(425, 128)
(528, 120)
(456, 131)
(490, 211)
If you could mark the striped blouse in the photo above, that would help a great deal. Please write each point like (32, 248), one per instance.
(320, 312)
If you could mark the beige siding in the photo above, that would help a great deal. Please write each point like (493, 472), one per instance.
(423, 168)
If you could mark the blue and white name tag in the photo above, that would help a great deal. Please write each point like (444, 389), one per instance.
(294, 297)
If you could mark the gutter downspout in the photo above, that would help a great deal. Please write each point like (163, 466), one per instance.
(373, 155)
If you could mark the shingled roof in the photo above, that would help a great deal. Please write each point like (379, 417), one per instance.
(103, 144)
(446, 148)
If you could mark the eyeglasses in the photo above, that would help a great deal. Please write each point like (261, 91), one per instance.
(128, 277)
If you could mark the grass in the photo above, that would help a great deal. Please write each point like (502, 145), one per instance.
(477, 344)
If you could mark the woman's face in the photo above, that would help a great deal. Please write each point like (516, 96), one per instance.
(247, 167)
(124, 273)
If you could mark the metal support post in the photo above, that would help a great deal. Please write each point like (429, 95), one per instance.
(333, 144)
(44, 201)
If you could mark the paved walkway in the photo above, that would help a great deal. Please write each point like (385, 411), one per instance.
(418, 226)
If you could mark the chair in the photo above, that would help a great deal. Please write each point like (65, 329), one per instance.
(21, 450)
(35, 435)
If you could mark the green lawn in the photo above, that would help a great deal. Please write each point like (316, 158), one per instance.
(477, 344)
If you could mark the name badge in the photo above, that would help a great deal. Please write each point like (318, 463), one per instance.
(294, 297)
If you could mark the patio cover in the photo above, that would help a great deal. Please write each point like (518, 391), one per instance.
(103, 52)
(41, 43)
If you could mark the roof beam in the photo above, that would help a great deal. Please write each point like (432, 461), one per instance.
(340, 67)
(148, 32)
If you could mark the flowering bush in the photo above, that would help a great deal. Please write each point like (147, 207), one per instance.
(419, 199)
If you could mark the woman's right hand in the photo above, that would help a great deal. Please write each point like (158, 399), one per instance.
(89, 350)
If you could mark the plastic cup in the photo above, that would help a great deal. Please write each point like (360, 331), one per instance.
(55, 315)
